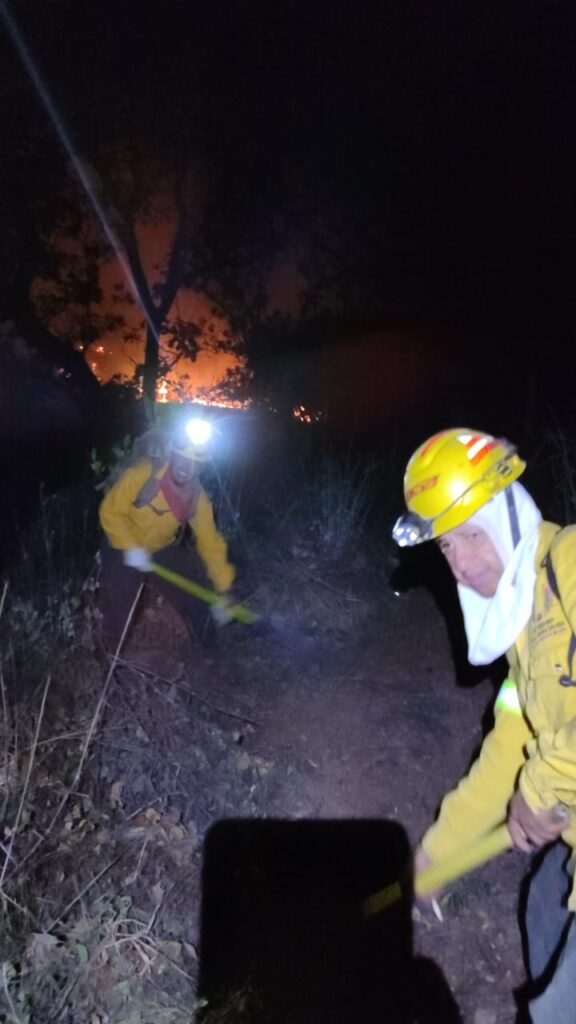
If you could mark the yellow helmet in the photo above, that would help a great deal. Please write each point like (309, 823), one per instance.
(190, 451)
(450, 477)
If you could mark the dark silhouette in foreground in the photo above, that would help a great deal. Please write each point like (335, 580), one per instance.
(282, 925)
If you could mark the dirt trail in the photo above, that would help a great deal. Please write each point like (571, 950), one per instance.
(238, 804)
(373, 727)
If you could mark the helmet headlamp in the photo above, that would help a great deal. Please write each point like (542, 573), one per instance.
(411, 529)
(198, 431)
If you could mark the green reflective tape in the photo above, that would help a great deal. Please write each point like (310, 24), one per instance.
(507, 698)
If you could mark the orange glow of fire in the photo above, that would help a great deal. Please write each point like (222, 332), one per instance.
(170, 391)
(162, 390)
(225, 403)
(303, 415)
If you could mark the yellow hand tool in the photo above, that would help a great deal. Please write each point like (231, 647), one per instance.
(298, 640)
(438, 875)
(237, 611)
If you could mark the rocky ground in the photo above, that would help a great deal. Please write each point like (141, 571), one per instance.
(235, 805)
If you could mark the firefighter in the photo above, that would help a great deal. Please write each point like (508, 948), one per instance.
(146, 514)
(516, 580)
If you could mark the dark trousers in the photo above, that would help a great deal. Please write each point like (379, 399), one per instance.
(551, 939)
(119, 586)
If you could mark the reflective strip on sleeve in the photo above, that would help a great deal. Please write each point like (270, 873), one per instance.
(507, 698)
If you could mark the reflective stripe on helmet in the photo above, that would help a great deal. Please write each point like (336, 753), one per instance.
(508, 699)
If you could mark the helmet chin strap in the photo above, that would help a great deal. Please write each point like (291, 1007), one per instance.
(513, 516)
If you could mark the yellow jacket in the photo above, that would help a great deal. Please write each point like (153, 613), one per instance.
(536, 746)
(153, 526)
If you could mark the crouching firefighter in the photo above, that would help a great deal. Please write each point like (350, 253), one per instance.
(150, 511)
(516, 579)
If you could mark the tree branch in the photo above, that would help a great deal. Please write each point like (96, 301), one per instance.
(174, 270)
(144, 293)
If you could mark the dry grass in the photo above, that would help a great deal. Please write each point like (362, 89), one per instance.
(69, 944)
(307, 571)
(98, 897)
(310, 597)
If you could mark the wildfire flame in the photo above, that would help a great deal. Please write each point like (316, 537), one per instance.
(304, 415)
(171, 391)
(162, 390)
(224, 403)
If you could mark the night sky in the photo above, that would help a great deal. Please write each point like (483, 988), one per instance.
(417, 161)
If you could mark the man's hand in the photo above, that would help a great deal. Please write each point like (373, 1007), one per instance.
(531, 829)
(421, 862)
(137, 558)
(220, 610)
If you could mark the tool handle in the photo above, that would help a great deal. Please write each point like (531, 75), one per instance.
(438, 875)
(237, 611)
(488, 846)
(483, 849)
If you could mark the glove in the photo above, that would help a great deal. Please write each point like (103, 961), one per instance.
(220, 611)
(137, 558)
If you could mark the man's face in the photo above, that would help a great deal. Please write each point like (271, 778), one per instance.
(182, 470)
(473, 559)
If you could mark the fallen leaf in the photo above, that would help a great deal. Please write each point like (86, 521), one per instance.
(262, 766)
(9, 773)
(151, 815)
(139, 784)
(82, 952)
(157, 893)
(171, 817)
(116, 793)
(81, 929)
(171, 949)
(180, 853)
(9, 971)
(122, 988)
(134, 1018)
(41, 947)
(192, 832)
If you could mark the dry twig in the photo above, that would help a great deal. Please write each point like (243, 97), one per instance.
(8, 856)
(139, 670)
(89, 735)
(85, 890)
(3, 598)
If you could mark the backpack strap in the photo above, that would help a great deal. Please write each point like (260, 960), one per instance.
(148, 491)
(183, 508)
(568, 680)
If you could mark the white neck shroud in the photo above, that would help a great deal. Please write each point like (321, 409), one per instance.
(493, 624)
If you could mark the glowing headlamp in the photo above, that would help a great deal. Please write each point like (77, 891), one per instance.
(198, 431)
(411, 529)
